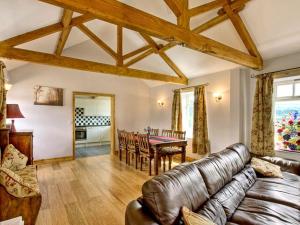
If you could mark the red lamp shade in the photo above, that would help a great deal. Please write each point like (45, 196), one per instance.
(13, 112)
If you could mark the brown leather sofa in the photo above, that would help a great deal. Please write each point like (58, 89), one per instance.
(224, 188)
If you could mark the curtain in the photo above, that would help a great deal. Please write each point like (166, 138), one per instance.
(176, 111)
(2, 97)
(262, 134)
(200, 132)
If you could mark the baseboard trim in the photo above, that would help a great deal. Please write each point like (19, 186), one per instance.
(52, 160)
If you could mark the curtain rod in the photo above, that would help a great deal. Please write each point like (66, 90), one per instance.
(191, 87)
(282, 73)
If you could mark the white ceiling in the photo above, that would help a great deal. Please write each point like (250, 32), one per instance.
(273, 24)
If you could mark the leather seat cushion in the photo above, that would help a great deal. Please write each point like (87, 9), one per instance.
(214, 211)
(246, 178)
(164, 195)
(232, 159)
(216, 172)
(243, 152)
(278, 192)
(258, 212)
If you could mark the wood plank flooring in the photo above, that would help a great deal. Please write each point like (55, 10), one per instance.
(88, 191)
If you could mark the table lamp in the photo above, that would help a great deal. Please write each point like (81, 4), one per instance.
(13, 112)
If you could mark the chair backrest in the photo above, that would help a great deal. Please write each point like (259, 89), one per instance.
(131, 140)
(143, 143)
(167, 133)
(154, 132)
(179, 134)
(122, 139)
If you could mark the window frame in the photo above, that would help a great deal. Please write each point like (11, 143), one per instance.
(185, 92)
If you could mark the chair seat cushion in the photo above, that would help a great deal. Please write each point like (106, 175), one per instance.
(274, 190)
(258, 212)
(21, 184)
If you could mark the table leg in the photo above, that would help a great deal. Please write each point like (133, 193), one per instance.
(183, 154)
(156, 158)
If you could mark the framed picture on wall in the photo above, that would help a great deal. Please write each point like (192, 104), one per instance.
(44, 95)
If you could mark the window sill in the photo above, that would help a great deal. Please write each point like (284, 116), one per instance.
(288, 151)
(292, 155)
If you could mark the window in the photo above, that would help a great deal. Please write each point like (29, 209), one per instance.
(187, 102)
(287, 115)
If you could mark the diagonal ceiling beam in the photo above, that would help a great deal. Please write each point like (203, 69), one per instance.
(174, 5)
(44, 31)
(242, 31)
(163, 55)
(65, 20)
(136, 52)
(205, 8)
(72, 63)
(119, 13)
(139, 57)
(97, 40)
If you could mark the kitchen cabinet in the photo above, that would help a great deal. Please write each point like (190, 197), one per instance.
(93, 134)
(94, 107)
(105, 134)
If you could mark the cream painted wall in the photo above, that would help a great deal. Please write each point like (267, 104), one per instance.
(220, 123)
(52, 125)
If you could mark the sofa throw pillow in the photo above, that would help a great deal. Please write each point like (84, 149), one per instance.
(265, 168)
(13, 159)
(191, 218)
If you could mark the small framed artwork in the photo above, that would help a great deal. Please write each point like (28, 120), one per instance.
(44, 95)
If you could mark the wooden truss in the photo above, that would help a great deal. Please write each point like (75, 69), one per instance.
(146, 25)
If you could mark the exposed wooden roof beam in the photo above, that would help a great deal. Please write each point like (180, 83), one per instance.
(139, 57)
(72, 63)
(66, 20)
(174, 5)
(163, 55)
(242, 31)
(119, 45)
(114, 11)
(136, 52)
(184, 19)
(44, 31)
(97, 40)
(205, 8)
(234, 5)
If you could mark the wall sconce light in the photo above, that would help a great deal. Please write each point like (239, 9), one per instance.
(218, 96)
(160, 103)
(8, 86)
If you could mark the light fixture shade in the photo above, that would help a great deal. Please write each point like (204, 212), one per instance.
(13, 111)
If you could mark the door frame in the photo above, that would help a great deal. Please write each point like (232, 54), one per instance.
(112, 114)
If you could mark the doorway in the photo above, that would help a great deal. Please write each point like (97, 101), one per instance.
(93, 124)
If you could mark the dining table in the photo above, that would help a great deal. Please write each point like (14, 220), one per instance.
(159, 142)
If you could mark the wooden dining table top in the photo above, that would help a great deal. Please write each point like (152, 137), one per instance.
(165, 141)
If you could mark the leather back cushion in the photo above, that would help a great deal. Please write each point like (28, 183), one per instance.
(214, 211)
(164, 195)
(216, 172)
(231, 160)
(243, 152)
(285, 165)
(246, 178)
(230, 197)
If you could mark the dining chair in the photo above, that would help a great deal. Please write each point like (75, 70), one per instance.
(145, 151)
(132, 149)
(122, 143)
(171, 151)
(154, 132)
(167, 133)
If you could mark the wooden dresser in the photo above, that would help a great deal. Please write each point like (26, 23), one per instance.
(22, 140)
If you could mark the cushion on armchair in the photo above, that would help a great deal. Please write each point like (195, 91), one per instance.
(21, 184)
(13, 159)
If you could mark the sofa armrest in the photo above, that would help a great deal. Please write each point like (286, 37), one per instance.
(285, 165)
(136, 214)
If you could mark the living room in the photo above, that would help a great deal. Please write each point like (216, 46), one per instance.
(161, 63)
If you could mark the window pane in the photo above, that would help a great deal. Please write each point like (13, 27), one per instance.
(188, 112)
(297, 89)
(284, 90)
(287, 127)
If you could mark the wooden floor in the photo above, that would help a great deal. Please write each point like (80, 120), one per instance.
(93, 190)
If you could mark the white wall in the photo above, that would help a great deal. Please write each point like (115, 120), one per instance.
(52, 125)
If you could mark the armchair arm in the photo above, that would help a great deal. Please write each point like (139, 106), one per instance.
(285, 165)
(136, 214)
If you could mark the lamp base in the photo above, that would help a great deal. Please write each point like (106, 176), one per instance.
(12, 127)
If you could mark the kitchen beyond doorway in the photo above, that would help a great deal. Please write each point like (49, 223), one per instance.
(93, 124)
